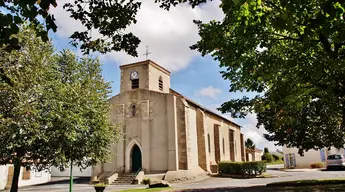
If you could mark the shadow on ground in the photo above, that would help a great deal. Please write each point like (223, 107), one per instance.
(333, 169)
(324, 188)
(76, 180)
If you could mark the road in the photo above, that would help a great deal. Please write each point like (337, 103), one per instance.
(211, 182)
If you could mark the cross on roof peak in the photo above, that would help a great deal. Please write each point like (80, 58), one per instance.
(147, 52)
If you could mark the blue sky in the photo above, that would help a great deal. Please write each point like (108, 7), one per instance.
(169, 35)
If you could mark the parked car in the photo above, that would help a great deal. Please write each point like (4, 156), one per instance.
(335, 161)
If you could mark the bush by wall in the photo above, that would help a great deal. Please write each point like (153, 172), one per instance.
(252, 168)
(267, 157)
(146, 181)
(316, 165)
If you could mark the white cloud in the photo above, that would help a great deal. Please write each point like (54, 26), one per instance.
(250, 130)
(167, 33)
(209, 91)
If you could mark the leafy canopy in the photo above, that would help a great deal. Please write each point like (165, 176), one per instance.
(291, 53)
(109, 18)
(53, 107)
(249, 144)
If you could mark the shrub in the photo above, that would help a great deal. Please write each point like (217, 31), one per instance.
(242, 168)
(316, 165)
(267, 157)
(100, 185)
(147, 181)
(276, 157)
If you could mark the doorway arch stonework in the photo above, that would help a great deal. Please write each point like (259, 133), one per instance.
(129, 150)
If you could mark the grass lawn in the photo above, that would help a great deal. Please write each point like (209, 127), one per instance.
(149, 189)
(309, 182)
(275, 163)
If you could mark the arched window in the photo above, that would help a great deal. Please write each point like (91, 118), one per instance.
(209, 143)
(160, 83)
(133, 110)
(223, 147)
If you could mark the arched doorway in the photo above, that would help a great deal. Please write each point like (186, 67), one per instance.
(136, 158)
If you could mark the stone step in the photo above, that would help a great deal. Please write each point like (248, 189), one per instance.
(124, 180)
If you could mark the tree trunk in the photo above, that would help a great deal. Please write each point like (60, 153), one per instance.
(16, 173)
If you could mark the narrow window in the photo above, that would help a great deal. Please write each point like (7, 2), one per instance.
(133, 110)
(135, 83)
(160, 82)
(209, 143)
(223, 147)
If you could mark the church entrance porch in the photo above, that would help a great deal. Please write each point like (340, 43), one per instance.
(136, 159)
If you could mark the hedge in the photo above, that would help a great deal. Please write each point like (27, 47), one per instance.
(267, 157)
(252, 168)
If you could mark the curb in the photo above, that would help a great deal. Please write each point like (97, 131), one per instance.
(306, 183)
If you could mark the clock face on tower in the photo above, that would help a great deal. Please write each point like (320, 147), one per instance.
(134, 75)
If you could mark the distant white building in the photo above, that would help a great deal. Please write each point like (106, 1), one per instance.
(26, 178)
(76, 172)
(292, 159)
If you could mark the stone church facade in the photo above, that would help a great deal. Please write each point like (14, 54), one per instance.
(165, 131)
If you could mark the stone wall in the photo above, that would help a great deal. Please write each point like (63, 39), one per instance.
(232, 145)
(243, 157)
(216, 143)
(153, 128)
(192, 141)
(181, 134)
(200, 124)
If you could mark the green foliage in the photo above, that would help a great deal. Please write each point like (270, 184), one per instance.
(109, 18)
(292, 54)
(147, 181)
(266, 150)
(52, 107)
(276, 157)
(249, 144)
(242, 168)
(100, 185)
(316, 165)
(268, 157)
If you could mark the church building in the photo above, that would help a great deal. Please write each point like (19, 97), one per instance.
(163, 131)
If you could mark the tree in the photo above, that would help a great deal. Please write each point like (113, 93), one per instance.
(292, 54)
(267, 156)
(53, 109)
(109, 18)
(249, 144)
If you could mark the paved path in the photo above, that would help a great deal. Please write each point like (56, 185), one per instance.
(211, 182)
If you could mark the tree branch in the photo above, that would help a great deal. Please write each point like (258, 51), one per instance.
(337, 47)
(281, 11)
(326, 45)
(287, 37)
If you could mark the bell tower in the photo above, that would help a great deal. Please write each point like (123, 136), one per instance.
(144, 75)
